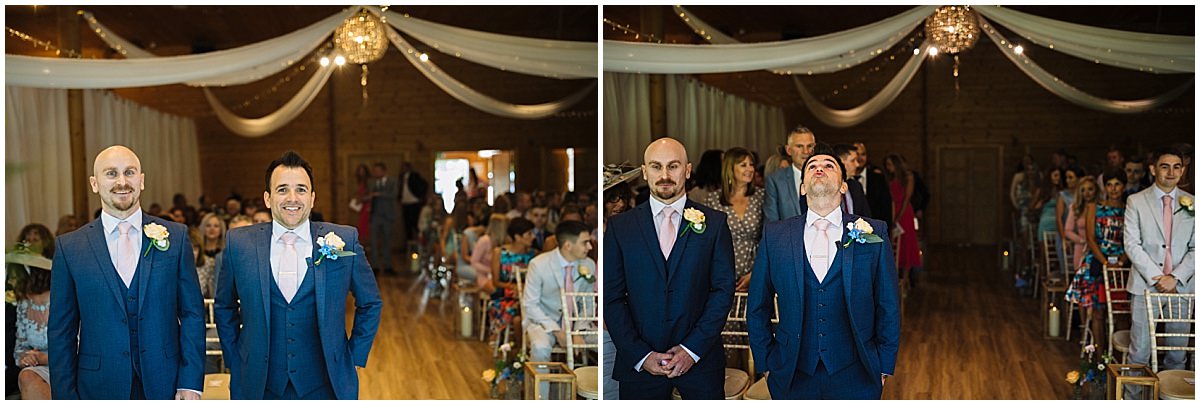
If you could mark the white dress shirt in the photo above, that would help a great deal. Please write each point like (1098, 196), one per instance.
(656, 208)
(1158, 195)
(112, 234)
(810, 233)
(406, 195)
(304, 248)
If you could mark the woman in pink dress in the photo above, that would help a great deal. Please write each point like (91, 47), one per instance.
(900, 181)
(1075, 232)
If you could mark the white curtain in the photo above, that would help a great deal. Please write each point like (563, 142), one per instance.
(256, 127)
(880, 101)
(166, 145)
(1155, 53)
(533, 56)
(703, 117)
(626, 117)
(37, 153)
(1060, 88)
(220, 68)
(808, 53)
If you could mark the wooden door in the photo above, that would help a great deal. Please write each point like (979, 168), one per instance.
(967, 193)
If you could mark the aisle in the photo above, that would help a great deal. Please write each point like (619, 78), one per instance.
(966, 334)
(416, 354)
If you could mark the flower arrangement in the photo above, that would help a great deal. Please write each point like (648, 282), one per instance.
(1091, 370)
(511, 372)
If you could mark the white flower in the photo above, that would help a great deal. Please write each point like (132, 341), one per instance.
(696, 217)
(333, 240)
(156, 231)
(506, 347)
(864, 226)
(516, 365)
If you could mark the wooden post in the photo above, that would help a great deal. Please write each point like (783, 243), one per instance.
(652, 22)
(68, 40)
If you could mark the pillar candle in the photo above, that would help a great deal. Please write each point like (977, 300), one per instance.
(416, 263)
(467, 322)
(1054, 321)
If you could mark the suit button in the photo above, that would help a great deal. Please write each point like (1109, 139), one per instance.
(822, 319)
(821, 334)
(126, 354)
(131, 299)
(143, 350)
(124, 320)
(141, 318)
(821, 290)
(821, 305)
(1164, 246)
(291, 309)
(292, 356)
(290, 340)
(292, 371)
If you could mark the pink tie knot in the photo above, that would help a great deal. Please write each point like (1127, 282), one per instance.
(822, 224)
(124, 227)
(289, 238)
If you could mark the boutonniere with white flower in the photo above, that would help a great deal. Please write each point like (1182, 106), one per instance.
(585, 273)
(1187, 203)
(861, 231)
(331, 246)
(695, 220)
(158, 237)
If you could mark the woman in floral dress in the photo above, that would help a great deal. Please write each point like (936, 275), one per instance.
(1105, 247)
(507, 260)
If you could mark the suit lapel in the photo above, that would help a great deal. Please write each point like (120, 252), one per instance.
(146, 262)
(794, 194)
(262, 251)
(1178, 219)
(1156, 208)
(317, 228)
(847, 254)
(645, 218)
(560, 276)
(108, 272)
(799, 259)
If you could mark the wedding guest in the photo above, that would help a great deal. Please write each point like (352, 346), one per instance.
(177, 215)
(1186, 182)
(502, 204)
(29, 276)
(449, 241)
(262, 217)
(155, 210)
(212, 233)
(1058, 159)
(775, 162)
(617, 199)
(854, 200)
(1135, 173)
(782, 199)
(1114, 159)
(1020, 191)
(864, 163)
(900, 181)
(37, 238)
(66, 223)
(706, 178)
(742, 204)
(507, 260)
(362, 200)
(240, 221)
(539, 215)
(412, 193)
(469, 229)
(564, 269)
(481, 254)
(1105, 247)
(524, 202)
(1045, 202)
(1066, 197)
(1075, 233)
(383, 195)
(430, 222)
(233, 206)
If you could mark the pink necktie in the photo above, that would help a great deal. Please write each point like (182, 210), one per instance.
(1167, 219)
(289, 263)
(666, 233)
(568, 286)
(127, 257)
(821, 251)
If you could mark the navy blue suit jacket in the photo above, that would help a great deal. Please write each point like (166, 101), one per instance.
(872, 296)
(88, 329)
(652, 304)
(244, 327)
(782, 200)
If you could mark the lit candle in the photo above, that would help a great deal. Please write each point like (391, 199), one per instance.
(416, 263)
(1054, 321)
(467, 325)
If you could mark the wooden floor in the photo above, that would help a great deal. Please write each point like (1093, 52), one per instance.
(966, 334)
(416, 354)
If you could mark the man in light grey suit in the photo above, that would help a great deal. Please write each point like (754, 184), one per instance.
(1160, 224)
(384, 191)
(549, 274)
(783, 199)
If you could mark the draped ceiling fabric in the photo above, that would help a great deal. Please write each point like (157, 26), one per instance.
(37, 176)
(1152, 53)
(541, 57)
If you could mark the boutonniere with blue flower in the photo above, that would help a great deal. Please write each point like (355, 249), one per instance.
(158, 237)
(1186, 203)
(331, 247)
(861, 231)
(695, 220)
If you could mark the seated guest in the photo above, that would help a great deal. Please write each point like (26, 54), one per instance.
(508, 260)
(29, 276)
(567, 267)
(481, 253)
(539, 215)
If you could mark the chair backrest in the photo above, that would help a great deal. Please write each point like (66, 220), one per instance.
(1116, 294)
(581, 313)
(737, 317)
(1050, 255)
(1167, 309)
(210, 324)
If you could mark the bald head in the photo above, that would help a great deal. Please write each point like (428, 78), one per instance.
(117, 176)
(665, 169)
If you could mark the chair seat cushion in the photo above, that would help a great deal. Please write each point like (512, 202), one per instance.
(1172, 385)
(758, 390)
(735, 383)
(586, 381)
(1121, 341)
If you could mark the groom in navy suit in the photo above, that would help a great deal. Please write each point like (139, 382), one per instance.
(126, 314)
(668, 286)
(281, 298)
(835, 276)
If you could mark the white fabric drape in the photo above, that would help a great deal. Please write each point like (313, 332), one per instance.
(703, 117)
(256, 127)
(1154, 53)
(1070, 93)
(817, 52)
(460, 91)
(220, 68)
(533, 56)
(166, 145)
(38, 182)
(37, 169)
(842, 61)
(626, 117)
(880, 101)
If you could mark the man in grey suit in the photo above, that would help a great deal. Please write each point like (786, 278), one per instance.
(1160, 241)
(783, 199)
(567, 267)
(384, 192)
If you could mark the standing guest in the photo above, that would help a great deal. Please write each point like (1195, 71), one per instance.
(29, 276)
(1114, 159)
(742, 204)
(1075, 233)
(212, 234)
(412, 192)
(775, 162)
(1135, 173)
(1059, 159)
(864, 163)
(854, 201)
(1105, 248)
(261, 217)
(67, 223)
(507, 260)
(900, 181)
(837, 303)
(1160, 239)
(282, 293)
(1045, 200)
(1020, 190)
(669, 286)
(383, 217)
(617, 199)
(481, 254)
(539, 215)
(782, 199)
(233, 207)
(707, 177)
(361, 203)
(1066, 197)
(177, 215)
(108, 307)
(565, 269)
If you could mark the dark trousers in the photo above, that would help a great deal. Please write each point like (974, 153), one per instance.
(412, 212)
(852, 382)
(696, 384)
(324, 392)
(381, 244)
